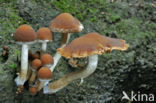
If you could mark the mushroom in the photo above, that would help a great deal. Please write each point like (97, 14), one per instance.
(33, 91)
(44, 35)
(44, 75)
(79, 48)
(47, 60)
(64, 23)
(36, 63)
(25, 35)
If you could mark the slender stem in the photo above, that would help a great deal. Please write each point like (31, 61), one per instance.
(56, 58)
(67, 79)
(20, 80)
(64, 38)
(24, 62)
(64, 41)
(44, 46)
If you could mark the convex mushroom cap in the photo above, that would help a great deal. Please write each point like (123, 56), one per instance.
(44, 73)
(25, 33)
(90, 44)
(66, 23)
(44, 34)
(36, 63)
(47, 60)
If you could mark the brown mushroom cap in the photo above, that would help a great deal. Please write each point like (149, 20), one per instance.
(65, 23)
(90, 44)
(47, 59)
(33, 90)
(36, 63)
(44, 73)
(44, 34)
(36, 55)
(25, 33)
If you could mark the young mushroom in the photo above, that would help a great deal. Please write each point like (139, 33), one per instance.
(32, 57)
(44, 75)
(35, 64)
(44, 35)
(33, 91)
(25, 35)
(79, 48)
(47, 60)
(64, 23)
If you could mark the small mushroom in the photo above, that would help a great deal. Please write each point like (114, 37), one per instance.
(44, 35)
(90, 45)
(33, 91)
(47, 60)
(32, 57)
(44, 75)
(25, 35)
(36, 63)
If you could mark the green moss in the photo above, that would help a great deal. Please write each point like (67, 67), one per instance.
(79, 8)
(10, 20)
(13, 66)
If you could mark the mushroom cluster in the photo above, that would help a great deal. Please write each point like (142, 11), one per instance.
(37, 68)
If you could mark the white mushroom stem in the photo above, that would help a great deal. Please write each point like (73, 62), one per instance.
(47, 65)
(68, 38)
(20, 80)
(67, 79)
(56, 58)
(44, 46)
(42, 83)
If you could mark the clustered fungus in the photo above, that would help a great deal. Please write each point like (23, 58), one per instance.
(38, 67)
